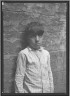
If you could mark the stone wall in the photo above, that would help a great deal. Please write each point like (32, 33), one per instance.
(53, 16)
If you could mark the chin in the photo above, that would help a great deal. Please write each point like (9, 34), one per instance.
(37, 47)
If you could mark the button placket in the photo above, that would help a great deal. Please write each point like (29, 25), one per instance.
(41, 67)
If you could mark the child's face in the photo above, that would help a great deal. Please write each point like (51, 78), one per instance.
(35, 41)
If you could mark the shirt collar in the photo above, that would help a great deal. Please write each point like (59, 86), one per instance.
(30, 49)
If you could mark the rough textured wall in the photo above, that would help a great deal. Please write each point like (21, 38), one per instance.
(15, 18)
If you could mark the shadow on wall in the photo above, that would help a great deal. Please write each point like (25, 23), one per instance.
(13, 76)
(23, 37)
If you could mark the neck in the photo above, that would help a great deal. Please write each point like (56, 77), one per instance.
(33, 48)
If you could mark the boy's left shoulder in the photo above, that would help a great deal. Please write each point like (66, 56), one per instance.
(45, 51)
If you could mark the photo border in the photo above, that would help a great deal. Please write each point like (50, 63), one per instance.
(67, 52)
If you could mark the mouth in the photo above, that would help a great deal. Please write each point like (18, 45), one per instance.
(38, 44)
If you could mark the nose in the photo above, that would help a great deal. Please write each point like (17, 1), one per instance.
(37, 38)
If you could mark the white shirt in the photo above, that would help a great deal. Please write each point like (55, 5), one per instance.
(33, 73)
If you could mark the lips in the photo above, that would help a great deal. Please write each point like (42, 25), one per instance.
(37, 43)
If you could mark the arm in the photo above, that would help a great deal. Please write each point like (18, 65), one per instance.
(50, 75)
(20, 72)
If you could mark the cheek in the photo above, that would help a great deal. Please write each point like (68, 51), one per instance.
(31, 41)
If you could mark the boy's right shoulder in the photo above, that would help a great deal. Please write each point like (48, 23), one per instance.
(24, 51)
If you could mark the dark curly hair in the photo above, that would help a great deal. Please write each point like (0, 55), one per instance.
(32, 29)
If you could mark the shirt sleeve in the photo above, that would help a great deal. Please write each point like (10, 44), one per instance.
(50, 75)
(20, 72)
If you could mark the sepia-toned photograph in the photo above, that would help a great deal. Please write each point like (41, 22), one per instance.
(34, 47)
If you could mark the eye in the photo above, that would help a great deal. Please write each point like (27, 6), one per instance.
(40, 33)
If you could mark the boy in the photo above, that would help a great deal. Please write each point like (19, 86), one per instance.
(33, 74)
